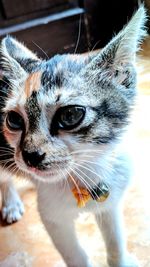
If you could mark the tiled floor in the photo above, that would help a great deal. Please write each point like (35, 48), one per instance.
(27, 242)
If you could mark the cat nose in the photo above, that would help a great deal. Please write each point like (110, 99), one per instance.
(32, 159)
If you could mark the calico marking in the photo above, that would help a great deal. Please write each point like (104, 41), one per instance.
(33, 83)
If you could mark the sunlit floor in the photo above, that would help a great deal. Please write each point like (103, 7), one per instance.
(26, 244)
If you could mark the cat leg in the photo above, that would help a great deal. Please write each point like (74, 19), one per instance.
(111, 226)
(65, 241)
(12, 206)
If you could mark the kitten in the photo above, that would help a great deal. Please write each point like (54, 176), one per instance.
(64, 120)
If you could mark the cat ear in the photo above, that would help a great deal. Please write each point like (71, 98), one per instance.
(16, 59)
(117, 57)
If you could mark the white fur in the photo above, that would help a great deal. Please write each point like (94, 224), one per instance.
(12, 206)
(58, 210)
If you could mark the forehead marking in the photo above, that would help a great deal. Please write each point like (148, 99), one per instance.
(33, 111)
(32, 83)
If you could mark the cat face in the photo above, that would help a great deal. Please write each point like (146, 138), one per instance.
(58, 111)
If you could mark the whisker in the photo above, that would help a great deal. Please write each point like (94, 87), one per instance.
(9, 167)
(6, 161)
(60, 170)
(79, 34)
(96, 163)
(85, 150)
(6, 154)
(82, 166)
(87, 186)
(91, 181)
(1, 79)
(87, 165)
(40, 49)
(65, 180)
(88, 169)
(108, 167)
(95, 46)
(6, 148)
(17, 170)
(76, 186)
(13, 169)
(5, 99)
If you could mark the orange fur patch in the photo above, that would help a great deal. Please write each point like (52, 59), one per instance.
(32, 83)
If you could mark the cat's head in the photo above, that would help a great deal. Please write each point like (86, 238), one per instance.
(60, 111)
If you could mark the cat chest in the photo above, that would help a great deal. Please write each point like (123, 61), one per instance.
(55, 202)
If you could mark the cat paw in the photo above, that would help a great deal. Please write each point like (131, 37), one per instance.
(13, 211)
(129, 261)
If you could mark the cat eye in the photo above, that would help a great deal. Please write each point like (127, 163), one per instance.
(14, 121)
(69, 117)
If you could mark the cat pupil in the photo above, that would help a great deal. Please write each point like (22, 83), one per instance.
(71, 116)
(14, 121)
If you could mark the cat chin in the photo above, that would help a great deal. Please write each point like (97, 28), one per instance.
(42, 176)
(45, 176)
(49, 178)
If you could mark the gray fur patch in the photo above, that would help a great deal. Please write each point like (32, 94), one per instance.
(33, 111)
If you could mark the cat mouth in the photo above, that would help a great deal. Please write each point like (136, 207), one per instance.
(36, 171)
(43, 174)
(48, 172)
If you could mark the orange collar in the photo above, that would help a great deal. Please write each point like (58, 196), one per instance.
(98, 193)
(82, 195)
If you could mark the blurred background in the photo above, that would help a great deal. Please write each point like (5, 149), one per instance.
(55, 26)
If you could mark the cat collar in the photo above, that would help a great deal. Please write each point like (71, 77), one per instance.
(99, 193)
